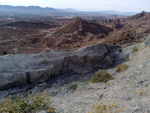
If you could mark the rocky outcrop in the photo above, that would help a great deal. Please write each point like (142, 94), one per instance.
(19, 70)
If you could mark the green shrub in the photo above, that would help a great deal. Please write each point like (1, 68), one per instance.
(135, 49)
(102, 76)
(121, 68)
(72, 87)
(30, 104)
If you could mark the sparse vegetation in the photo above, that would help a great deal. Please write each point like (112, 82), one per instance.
(135, 49)
(84, 82)
(72, 87)
(102, 76)
(121, 68)
(102, 108)
(31, 104)
(127, 60)
(141, 92)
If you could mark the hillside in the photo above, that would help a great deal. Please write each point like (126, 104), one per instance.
(28, 25)
(76, 33)
(82, 27)
(37, 36)
(133, 28)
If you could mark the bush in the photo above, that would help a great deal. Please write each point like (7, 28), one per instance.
(101, 76)
(72, 87)
(121, 68)
(102, 108)
(135, 49)
(30, 104)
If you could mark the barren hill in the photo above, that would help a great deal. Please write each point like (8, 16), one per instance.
(82, 27)
(134, 29)
(142, 14)
(77, 33)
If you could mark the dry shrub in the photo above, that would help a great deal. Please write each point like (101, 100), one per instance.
(31, 104)
(121, 68)
(102, 76)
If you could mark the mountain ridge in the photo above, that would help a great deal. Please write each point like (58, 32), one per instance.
(66, 11)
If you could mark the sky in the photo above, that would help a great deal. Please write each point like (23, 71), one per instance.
(86, 5)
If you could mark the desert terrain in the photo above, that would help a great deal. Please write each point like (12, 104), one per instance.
(87, 64)
(27, 37)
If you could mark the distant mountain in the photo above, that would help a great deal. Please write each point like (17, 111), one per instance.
(29, 9)
(23, 8)
(6, 10)
(9, 11)
(118, 13)
(109, 11)
(68, 9)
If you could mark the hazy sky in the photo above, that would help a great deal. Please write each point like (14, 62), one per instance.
(86, 5)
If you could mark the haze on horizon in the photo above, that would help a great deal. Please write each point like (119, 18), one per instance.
(86, 5)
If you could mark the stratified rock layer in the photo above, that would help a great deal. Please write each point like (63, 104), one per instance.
(19, 70)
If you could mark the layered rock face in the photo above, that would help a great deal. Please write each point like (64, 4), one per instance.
(19, 70)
